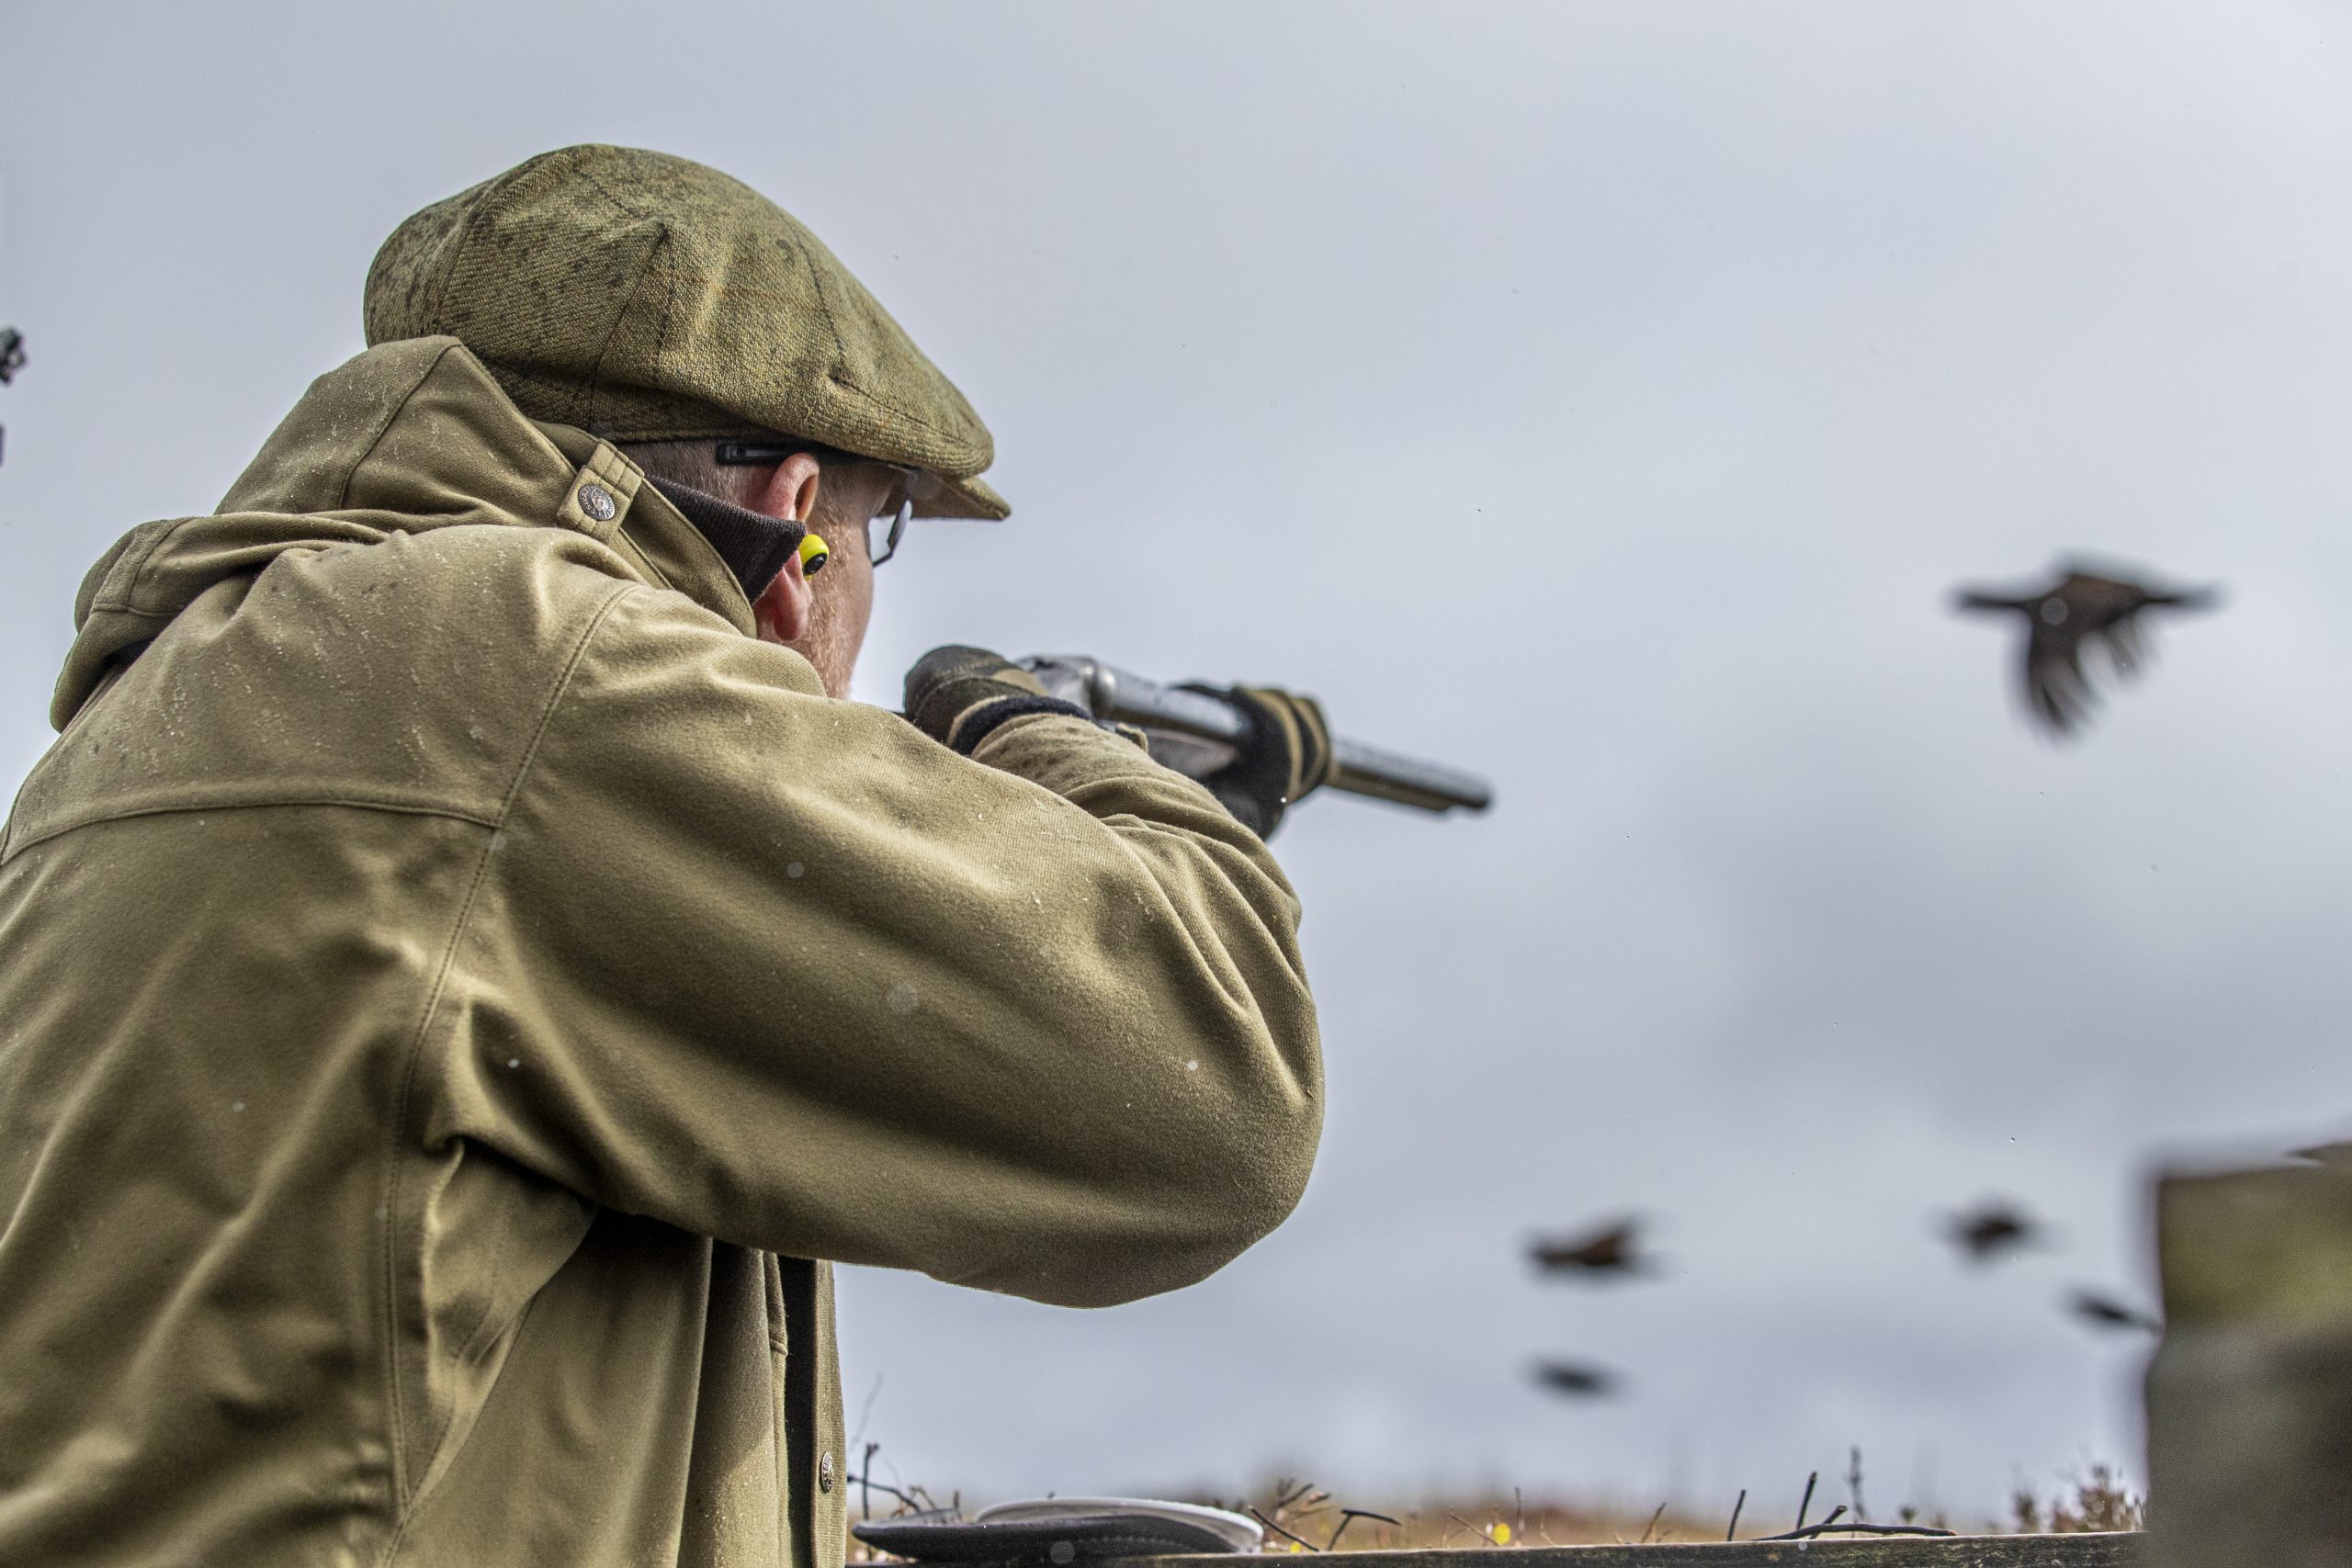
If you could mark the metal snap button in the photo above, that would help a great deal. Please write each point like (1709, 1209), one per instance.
(825, 1460)
(597, 502)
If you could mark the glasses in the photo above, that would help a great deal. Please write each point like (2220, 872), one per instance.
(883, 530)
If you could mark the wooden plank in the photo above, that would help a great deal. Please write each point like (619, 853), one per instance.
(2249, 1398)
(2097, 1551)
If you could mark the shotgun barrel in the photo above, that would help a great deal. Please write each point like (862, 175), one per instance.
(1207, 728)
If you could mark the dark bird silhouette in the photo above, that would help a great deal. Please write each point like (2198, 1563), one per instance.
(2102, 1311)
(2080, 610)
(12, 359)
(1615, 1250)
(1575, 1380)
(1992, 1231)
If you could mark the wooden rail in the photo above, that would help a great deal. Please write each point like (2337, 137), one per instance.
(1892, 1551)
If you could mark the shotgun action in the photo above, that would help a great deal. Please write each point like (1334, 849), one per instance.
(1196, 733)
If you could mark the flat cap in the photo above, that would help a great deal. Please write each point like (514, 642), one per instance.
(648, 297)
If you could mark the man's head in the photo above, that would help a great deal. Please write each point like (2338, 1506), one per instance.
(661, 304)
(850, 502)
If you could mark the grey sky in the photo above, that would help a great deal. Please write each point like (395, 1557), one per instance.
(1603, 396)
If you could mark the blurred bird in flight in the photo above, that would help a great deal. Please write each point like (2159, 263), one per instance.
(1577, 1380)
(1991, 1231)
(1615, 1250)
(2080, 610)
(2102, 1311)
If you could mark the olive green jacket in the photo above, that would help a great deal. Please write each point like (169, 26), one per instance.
(454, 975)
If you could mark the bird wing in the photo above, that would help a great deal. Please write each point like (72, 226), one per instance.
(2121, 641)
(1990, 1228)
(1574, 1377)
(2082, 608)
(2092, 1306)
(2055, 690)
(2096, 594)
(1984, 599)
(1610, 1249)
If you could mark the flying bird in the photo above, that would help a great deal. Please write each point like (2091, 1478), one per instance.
(12, 359)
(1990, 1232)
(1575, 1380)
(2102, 1311)
(2080, 610)
(1613, 1251)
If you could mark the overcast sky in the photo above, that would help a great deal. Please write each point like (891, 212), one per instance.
(1604, 396)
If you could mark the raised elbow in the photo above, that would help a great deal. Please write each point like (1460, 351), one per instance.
(1184, 1196)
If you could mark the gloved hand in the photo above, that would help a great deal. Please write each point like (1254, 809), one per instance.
(1286, 756)
(956, 695)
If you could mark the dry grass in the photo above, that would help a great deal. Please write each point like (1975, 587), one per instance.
(1303, 1518)
(2100, 1502)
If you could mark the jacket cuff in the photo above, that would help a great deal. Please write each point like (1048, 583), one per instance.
(977, 722)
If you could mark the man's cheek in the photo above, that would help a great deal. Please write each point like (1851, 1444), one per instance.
(822, 648)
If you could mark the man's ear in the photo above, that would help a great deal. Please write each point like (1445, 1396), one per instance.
(781, 611)
(789, 491)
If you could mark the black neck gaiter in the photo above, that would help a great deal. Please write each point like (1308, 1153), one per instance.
(753, 546)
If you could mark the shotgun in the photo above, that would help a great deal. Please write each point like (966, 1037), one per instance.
(1196, 733)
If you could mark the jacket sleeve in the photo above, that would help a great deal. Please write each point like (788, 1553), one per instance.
(783, 971)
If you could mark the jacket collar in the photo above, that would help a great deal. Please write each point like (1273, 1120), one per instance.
(407, 438)
(753, 545)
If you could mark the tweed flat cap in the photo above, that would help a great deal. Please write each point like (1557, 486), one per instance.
(647, 297)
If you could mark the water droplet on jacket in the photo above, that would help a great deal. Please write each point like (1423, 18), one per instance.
(902, 999)
(793, 870)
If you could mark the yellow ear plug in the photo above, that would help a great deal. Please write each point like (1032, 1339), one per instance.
(813, 555)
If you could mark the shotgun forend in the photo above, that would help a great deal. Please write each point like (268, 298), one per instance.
(1195, 733)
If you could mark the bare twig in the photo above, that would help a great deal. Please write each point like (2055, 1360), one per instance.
(1287, 1492)
(1473, 1529)
(866, 1412)
(1807, 1503)
(1854, 1481)
(1854, 1527)
(1648, 1529)
(1348, 1516)
(1278, 1529)
(863, 1481)
(1732, 1529)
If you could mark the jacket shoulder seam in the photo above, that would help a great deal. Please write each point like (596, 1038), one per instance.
(128, 604)
(343, 491)
(404, 1504)
(556, 694)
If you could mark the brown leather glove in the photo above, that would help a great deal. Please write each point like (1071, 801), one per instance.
(958, 695)
(1284, 758)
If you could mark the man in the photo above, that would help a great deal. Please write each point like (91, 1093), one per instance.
(463, 963)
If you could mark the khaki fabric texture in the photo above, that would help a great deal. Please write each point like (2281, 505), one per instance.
(649, 298)
(457, 980)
